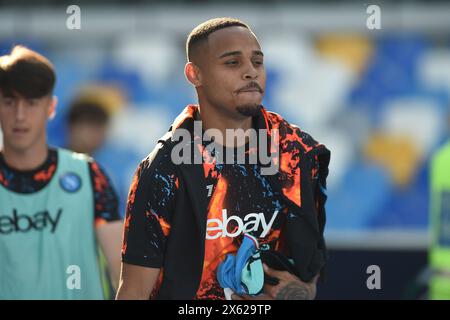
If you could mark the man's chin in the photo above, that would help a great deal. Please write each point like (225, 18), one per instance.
(20, 146)
(249, 110)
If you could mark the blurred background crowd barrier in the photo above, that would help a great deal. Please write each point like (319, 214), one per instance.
(379, 99)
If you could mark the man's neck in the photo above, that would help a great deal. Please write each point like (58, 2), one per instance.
(25, 160)
(211, 119)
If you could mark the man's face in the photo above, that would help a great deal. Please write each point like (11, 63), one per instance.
(87, 136)
(23, 120)
(233, 76)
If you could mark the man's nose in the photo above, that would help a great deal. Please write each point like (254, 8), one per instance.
(20, 110)
(250, 72)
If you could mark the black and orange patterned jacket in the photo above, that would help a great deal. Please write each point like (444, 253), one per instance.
(303, 169)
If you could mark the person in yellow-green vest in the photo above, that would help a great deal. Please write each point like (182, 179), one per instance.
(56, 206)
(439, 286)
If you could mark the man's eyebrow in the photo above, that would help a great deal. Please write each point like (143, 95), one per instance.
(238, 53)
(230, 53)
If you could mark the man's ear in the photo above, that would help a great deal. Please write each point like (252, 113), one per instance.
(52, 109)
(193, 75)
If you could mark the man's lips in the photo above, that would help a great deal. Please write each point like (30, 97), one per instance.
(252, 87)
(20, 130)
(250, 90)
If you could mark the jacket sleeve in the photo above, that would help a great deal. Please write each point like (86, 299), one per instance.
(304, 230)
(149, 212)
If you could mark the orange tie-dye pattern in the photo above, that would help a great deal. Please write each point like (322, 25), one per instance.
(217, 249)
(45, 175)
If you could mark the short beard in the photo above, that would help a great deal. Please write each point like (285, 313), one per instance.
(249, 110)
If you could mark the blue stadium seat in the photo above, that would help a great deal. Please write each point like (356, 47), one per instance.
(363, 192)
(407, 208)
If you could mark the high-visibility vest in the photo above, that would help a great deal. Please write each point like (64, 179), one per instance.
(439, 255)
